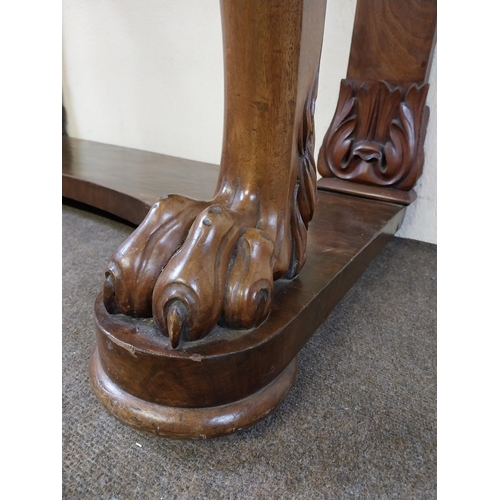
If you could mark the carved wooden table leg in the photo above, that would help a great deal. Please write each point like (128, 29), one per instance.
(192, 265)
(162, 362)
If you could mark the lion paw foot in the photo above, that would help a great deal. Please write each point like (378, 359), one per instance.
(192, 265)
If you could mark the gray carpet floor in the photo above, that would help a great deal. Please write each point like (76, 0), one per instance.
(359, 423)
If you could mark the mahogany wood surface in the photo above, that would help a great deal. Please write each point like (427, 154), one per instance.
(393, 40)
(206, 305)
(376, 137)
(192, 264)
(126, 182)
(227, 366)
(190, 423)
(372, 192)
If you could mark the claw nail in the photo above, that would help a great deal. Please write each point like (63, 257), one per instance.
(176, 317)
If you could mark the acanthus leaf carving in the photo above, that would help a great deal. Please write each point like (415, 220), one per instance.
(304, 197)
(377, 135)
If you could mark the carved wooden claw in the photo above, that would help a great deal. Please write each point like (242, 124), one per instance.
(194, 264)
(137, 263)
(216, 270)
(196, 275)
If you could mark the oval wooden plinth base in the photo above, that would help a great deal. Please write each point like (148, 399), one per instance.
(189, 423)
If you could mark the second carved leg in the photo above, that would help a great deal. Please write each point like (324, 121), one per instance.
(192, 264)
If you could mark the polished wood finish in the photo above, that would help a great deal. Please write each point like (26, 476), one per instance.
(372, 192)
(190, 423)
(199, 323)
(376, 137)
(126, 182)
(192, 264)
(228, 366)
(393, 40)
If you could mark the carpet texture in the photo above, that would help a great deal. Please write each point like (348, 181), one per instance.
(360, 421)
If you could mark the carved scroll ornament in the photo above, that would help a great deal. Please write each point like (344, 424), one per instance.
(377, 135)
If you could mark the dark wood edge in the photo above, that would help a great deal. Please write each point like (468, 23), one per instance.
(189, 423)
(389, 195)
(110, 200)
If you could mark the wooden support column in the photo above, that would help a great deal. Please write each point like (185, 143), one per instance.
(374, 146)
(192, 267)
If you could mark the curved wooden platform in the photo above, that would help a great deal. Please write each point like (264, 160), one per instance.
(126, 182)
(345, 235)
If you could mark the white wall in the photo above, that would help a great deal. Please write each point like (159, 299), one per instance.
(149, 75)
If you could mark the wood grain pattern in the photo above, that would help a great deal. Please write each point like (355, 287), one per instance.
(376, 138)
(126, 182)
(393, 40)
(190, 423)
